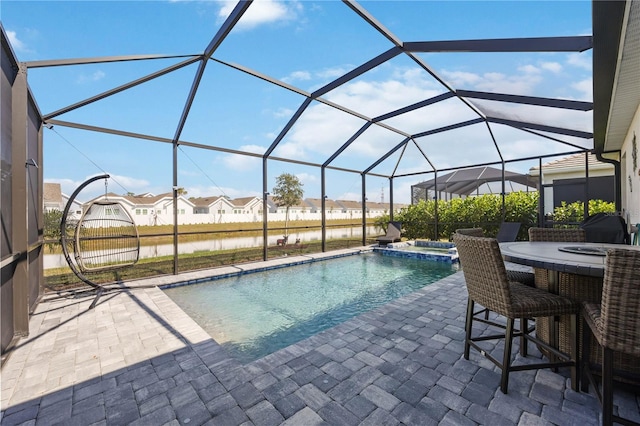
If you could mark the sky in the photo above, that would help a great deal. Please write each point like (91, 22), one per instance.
(305, 44)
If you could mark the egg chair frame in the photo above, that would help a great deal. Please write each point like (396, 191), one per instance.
(104, 239)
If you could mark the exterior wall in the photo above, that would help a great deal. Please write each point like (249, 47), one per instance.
(630, 177)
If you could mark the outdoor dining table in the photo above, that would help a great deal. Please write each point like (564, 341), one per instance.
(584, 262)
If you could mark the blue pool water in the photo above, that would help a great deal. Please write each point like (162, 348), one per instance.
(253, 315)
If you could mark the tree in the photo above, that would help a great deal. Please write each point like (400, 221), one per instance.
(287, 192)
(181, 191)
(52, 219)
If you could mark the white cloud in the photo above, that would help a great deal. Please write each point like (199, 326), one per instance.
(17, 44)
(307, 177)
(321, 77)
(297, 76)
(96, 76)
(580, 60)
(585, 87)
(237, 162)
(515, 84)
(121, 184)
(529, 69)
(263, 12)
(461, 78)
(283, 113)
(554, 67)
(332, 73)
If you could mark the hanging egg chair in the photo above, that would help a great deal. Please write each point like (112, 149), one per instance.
(104, 238)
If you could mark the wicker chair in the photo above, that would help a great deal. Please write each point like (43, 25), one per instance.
(615, 323)
(524, 277)
(488, 285)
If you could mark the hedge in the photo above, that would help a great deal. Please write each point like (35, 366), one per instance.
(484, 211)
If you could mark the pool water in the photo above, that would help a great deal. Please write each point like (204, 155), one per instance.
(255, 314)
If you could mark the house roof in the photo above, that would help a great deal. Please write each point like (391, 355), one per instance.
(616, 66)
(466, 181)
(243, 201)
(317, 202)
(147, 199)
(575, 161)
(52, 193)
(204, 201)
(350, 204)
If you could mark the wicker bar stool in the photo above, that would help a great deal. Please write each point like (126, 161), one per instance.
(488, 285)
(524, 277)
(615, 323)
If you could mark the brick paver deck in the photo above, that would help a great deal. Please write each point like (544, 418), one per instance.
(138, 359)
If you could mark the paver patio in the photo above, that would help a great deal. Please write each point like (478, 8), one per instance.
(138, 359)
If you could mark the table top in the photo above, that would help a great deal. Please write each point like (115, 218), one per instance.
(548, 255)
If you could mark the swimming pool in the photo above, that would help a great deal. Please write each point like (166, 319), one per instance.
(253, 315)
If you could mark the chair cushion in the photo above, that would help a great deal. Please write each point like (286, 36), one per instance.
(530, 302)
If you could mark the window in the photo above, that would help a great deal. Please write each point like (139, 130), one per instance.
(181, 211)
(221, 211)
(137, 211)
(144, 211)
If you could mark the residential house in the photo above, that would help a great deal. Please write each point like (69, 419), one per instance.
(150, 210)
(564, 179)
(216, 209)
(616, 96)
(54, 199)
(301, 211)
(333, 210)
(247, 209)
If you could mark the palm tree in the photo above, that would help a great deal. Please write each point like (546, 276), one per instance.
(287, 192)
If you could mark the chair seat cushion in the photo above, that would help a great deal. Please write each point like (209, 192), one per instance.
(530, 302)
(523, 277)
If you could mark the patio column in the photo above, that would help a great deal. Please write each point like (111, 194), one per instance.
(175, 207)
(364, 209)
(436, 198)
(586, 185)
(265, 208)
(391, 198)
(20, 202)
(323, 203)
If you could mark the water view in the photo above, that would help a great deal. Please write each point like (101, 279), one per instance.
(157, 250)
